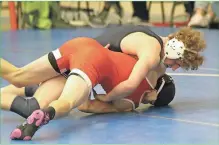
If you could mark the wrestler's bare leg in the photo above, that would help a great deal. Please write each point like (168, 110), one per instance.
(33, 73)
(75, 92)
(47, 92)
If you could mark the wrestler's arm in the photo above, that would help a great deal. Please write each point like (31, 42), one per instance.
(149, 56)
(96, 106)
(128, 86)
(139, 72)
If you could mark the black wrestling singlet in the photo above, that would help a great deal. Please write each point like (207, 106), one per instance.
(114, 36)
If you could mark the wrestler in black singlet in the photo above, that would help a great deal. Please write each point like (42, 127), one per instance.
(114, 36)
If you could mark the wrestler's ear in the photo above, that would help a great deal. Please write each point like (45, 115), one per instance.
(107, 46)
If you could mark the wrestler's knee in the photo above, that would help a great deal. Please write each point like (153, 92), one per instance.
(15, 78)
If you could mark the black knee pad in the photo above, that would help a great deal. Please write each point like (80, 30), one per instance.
(30, 90)
(24, 106)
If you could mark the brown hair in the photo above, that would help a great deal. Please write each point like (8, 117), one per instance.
(194, 41)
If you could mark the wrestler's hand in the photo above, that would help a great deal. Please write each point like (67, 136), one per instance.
(151, 95)
(100, 97)
(107, 46)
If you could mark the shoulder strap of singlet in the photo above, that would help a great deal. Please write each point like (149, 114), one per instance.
(153, 34)
(148, 31)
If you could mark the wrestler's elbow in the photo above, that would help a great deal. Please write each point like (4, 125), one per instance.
(124, 109)
(83, 108)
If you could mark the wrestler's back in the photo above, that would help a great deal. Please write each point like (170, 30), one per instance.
(114, 36)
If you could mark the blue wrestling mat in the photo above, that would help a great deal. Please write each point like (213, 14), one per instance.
(192, 118)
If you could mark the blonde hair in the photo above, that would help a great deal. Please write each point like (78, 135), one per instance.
(193, 41)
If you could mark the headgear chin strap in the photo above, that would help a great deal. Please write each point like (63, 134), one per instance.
(161, 86)
(174, 49)
(165, 79)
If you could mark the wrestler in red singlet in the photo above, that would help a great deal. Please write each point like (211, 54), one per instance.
(97, 65)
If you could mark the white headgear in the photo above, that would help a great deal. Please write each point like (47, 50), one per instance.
(174, 49)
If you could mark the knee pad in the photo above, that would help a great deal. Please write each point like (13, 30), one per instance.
(30, 90)
(24, 106)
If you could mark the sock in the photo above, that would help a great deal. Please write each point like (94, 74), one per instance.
(51, 111)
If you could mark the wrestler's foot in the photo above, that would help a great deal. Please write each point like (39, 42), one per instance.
(26, 130)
